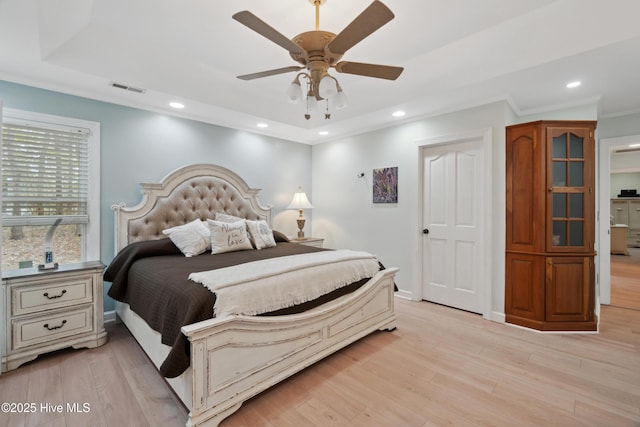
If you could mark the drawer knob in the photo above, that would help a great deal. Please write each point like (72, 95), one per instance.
(46, 294)
(51, 328)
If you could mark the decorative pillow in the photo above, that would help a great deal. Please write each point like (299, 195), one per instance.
(260, 234)
(228, 237)
(279, 236)
(223, 217)
(192, 238)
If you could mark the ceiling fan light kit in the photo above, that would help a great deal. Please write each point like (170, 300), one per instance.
(318, 51)
(294, 91)
(328, 87)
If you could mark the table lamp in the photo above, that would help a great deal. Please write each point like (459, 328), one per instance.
(300, 202)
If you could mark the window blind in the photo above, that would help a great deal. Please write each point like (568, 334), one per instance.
(45, 174)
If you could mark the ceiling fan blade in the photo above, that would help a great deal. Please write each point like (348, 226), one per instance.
(372, 18)
(259, 26)
(270, 73)
(370, 70)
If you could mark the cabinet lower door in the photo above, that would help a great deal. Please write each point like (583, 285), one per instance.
(524, 289)
(568, 289)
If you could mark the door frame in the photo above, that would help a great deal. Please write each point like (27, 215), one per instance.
(486, 135)
(605, 148)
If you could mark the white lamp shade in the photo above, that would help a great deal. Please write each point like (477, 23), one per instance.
(294, 92)
(327, 87)
(300, 201)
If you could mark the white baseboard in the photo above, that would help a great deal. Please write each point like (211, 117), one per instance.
(496, 316)
(403, 294)
(110, 316)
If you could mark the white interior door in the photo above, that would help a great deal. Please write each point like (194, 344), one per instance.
(453, 264)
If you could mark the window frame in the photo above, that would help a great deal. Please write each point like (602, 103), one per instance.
(91, 249)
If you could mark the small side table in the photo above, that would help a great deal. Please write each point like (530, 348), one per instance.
(309, 241)
(46, 310)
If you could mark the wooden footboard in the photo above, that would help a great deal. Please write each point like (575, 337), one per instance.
(237, 357)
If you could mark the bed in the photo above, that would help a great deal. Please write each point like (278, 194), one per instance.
(233, 357)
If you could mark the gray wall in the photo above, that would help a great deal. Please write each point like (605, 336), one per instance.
(346, 216)
(614, 127)
(624, 181)
(141, 146)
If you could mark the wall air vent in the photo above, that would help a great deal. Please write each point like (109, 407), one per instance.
(627, 150)
(127, 87)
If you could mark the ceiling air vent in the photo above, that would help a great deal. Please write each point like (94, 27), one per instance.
(127, 87)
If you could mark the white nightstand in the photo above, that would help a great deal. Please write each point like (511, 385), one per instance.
(309, 241)
(46, 310)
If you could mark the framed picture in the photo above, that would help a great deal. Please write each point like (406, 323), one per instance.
(385, 185)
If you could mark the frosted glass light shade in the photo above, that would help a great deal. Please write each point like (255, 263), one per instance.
(340, 101)
(294, 92)
(327, 87)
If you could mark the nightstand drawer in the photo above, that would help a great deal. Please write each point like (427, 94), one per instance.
(38, 297)
(309, 241)
(37, 330)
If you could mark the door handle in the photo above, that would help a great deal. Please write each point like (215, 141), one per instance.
(425, 231)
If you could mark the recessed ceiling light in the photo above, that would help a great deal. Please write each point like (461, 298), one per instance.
(398, 113)
(323, 133)
(571, 85)
(262, 125)
(177, 105)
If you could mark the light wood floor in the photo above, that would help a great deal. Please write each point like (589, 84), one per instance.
(625, 279)
(440, 367)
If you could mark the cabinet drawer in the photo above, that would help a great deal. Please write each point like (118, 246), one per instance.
(41, 329)
(634, 214)
(39, 297)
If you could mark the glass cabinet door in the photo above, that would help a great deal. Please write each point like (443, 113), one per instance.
(569, 190)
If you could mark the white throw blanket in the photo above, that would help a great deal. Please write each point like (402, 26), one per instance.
(271, 284)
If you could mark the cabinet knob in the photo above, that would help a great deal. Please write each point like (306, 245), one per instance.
(550, 262)
(550, 189)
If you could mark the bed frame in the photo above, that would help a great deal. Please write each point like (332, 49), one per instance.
(236, 357)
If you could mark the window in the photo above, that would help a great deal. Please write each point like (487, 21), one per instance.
(50, 171)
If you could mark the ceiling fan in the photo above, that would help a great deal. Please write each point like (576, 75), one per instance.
(318, 50)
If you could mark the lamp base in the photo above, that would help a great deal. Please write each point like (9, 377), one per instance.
(300, 221)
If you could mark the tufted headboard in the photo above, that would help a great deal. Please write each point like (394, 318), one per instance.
(195, 191)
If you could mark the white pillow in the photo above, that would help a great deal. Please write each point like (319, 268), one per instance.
(260, 234)
(192, 238)
(228, 237)
(223, 217)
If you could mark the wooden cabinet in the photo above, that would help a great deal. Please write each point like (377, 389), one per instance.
(620, 211)
(634, 223)
(627, 211)
(550, 225)
(51, 309)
